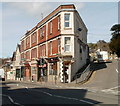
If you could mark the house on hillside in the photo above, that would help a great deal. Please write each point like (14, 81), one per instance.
(56, 48)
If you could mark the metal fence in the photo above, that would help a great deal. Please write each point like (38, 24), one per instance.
(83, 76)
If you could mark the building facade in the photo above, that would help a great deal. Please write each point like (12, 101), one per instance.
(16, 72)
(56, 48)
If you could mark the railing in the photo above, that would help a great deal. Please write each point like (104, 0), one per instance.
(83, 76)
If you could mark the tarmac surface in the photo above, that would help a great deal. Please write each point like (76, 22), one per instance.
(102, 88)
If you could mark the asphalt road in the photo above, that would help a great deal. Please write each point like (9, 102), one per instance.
(104, 78)
(25, 94)
(102, 88)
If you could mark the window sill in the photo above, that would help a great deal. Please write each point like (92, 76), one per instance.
(67, 28)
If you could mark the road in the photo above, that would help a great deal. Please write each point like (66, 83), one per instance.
(104, 78)
(102, 88)
(25, 94)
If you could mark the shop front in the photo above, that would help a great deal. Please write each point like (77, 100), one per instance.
(53, 69)
(42, 70)
(34, 72)
(65, 69)
(27, 73)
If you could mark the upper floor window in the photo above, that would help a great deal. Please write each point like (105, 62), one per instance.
(42, 33)
(67, 20)
(43, 50)
(67, 44)
(50, 48)
(34, 37)
(51, 27)
(58, 22)
(59, 45)
(28, 41)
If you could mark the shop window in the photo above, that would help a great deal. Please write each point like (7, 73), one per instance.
(53, 69)
(34, 70)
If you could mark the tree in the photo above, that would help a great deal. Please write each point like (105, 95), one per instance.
(115, 40)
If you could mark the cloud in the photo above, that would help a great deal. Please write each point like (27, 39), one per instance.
(36, 8)
(32, 8)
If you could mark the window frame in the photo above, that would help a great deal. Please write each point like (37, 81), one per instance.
(51, 48)
(59, 22)
(67, 45)
(42, 32)
(50, 27)
(65, 21)
(59, 46)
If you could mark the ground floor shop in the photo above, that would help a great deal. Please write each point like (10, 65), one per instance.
(54, 69)
(42, 70)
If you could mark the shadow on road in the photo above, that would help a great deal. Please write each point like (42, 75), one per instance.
(98, 66)
(33, 96)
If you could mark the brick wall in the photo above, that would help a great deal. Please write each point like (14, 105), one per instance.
(54, 48)
(27, 55)
(34, 39)
(55, 31)
(27, 42)
(34, 53)
(41, 50)
(42, 39)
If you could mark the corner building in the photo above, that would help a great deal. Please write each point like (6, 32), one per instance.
(56, 48)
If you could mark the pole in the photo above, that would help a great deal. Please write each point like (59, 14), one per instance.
(20, 73)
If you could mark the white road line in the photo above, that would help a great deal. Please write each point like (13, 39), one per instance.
(113, 88)
(117, 70)
(86, 102)
(47, 93)
(61, 96)
(74, 99)
(64, 97)
(11, 100)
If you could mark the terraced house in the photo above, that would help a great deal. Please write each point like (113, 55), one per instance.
(56, 48)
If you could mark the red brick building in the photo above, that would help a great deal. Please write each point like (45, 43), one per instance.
(52, 49)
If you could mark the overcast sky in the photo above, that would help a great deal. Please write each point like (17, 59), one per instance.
(19, 17)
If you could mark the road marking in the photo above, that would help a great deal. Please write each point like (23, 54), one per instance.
(47, 93)
(63, 97)
(113, 88)
(11, 100)
(73, 99)
(117, 70)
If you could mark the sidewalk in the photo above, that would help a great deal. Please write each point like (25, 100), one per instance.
(58, 85)
(52, 85)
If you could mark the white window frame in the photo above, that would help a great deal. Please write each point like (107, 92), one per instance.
(59, 45)
(50, 48)
(67, 45)
(59, 22)
(42, 33)
(67, 20)
(50, 27)
(42, 51)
